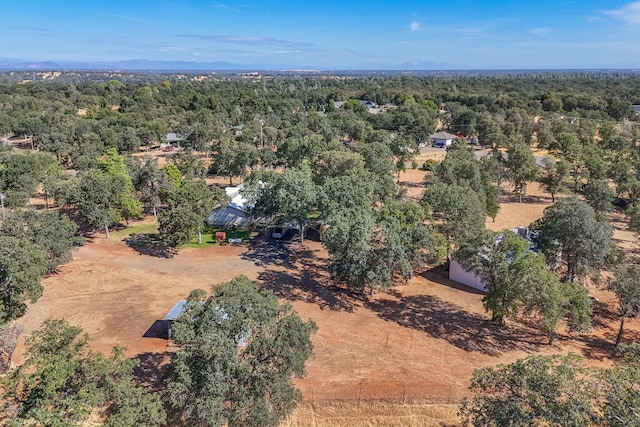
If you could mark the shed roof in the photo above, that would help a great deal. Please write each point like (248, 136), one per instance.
(176, 311)
(173, 137)
(229, 217)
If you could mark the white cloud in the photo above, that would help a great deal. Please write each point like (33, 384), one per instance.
(415, 26)
(541, 31)
(629, 13)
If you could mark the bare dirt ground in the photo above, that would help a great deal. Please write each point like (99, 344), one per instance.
(418, 343)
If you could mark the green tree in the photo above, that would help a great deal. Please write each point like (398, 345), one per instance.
(114, 165)
(633, 212)
(626, 288)
(189, 164)
(371, 250)
(571, 150)
(53, 231)
(239, 350)
(22, 265)
(62, 382)
(538, 390)
(461, 168)
(289, 196)
(553, 175)
(98, 196)
(507, 267)
(517, 281)
(521, 167)
(20, 174)
(570, 231)
(150, 183)
(600, 195)
(619, 388)
(348, 241)
(173, 174)
(460, 212)
(188, 207)
(232, 158)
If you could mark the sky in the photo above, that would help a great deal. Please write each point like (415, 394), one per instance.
(329, 34)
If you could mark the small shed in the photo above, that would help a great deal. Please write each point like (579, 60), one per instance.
(182, 305)
(173, 314)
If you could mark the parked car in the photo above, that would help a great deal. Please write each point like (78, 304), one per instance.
(277, 233)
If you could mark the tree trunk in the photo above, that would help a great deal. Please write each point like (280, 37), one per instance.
(106, 231)
(230, 180)
(553, 198)
(199, 237)
(155, 212)
(619, 337)
(302, 228)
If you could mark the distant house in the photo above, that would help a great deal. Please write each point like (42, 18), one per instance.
(367, 104)
(237, 130)
(172, 139)
(442, 139)
(636, 108)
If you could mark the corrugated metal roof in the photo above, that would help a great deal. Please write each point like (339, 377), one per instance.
(443, 135)
(176, 311)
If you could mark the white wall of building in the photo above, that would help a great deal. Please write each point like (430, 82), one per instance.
(469, 278)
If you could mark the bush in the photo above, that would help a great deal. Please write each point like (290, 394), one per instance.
(429, 164)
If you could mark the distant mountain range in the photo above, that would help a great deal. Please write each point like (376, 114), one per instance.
(11, 64)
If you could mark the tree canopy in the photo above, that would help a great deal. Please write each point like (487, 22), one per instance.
(571, 234)
(239, 350)
(62, 382)
(22, 265)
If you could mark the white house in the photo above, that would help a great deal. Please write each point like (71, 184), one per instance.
(442, 139)
(171, 139)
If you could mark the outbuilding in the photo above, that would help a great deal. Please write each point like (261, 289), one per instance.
(442, 139)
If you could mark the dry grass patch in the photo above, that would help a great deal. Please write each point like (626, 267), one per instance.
(374, 414)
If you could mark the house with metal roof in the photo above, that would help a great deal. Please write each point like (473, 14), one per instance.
(442, 139)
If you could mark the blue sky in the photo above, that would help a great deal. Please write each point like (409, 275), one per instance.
(329, 34)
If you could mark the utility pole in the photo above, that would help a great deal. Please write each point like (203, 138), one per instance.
(261, 139)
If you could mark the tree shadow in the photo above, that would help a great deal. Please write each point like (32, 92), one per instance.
(598, 348)
(266, 252)
(304, 278)
(150, 370)
(450, 322)
(150, 245)
(510, 197)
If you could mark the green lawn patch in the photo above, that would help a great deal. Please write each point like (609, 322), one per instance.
(209, 237)
(150, 228)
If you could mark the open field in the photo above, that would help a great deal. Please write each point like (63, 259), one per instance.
(380, 360)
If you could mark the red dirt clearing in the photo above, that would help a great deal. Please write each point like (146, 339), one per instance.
(420, 341)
